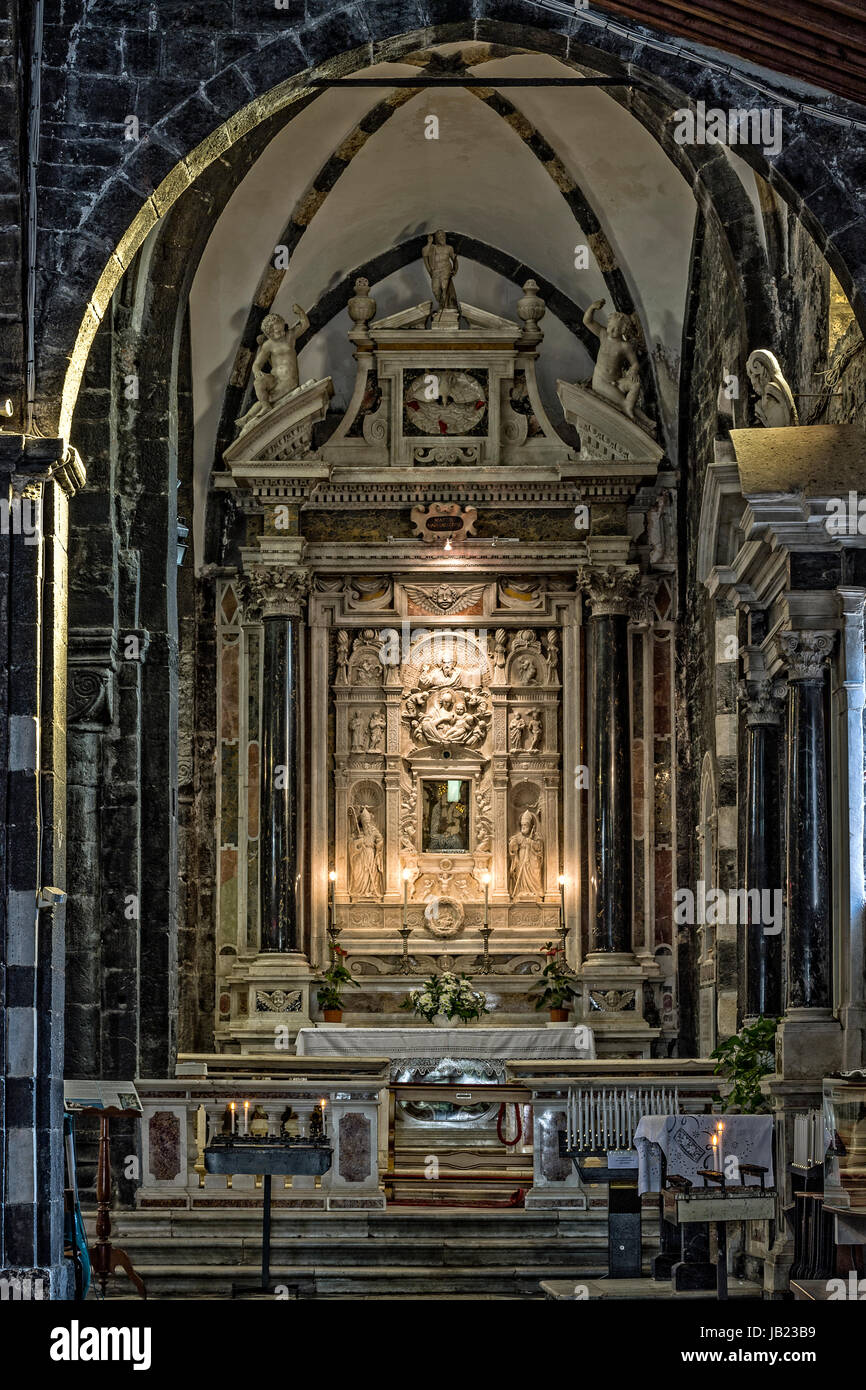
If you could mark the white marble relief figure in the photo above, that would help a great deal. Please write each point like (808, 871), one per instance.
(376, 729)
(516, 730)
(275, 365)
(525, 858)
(536, 730)
(365, 855)
(357, 733)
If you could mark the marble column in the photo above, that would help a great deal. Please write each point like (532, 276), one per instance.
(280, 594)
(609, 592)
(809, 984)
(763, 846)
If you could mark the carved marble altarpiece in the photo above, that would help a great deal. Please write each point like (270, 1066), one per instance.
(439, 681)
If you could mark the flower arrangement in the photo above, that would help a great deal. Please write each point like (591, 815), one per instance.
(448, 994)
(334, 981)
(556, 987)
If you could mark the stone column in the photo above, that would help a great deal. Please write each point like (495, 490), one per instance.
(810, 1036)
(610, 592)
(280, 594)
(763, 857)
(808, 861)
(37, 478)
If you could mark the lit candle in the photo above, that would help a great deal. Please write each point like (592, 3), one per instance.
(561, 882)
(246, 1117)
(332, 892)
(201, 1127)
(407, 874)
(720, 1130)
(323, 1117)
(715, 1154)
(485, 879)
(232, 1109)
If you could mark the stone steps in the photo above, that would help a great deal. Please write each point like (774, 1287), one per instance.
(390, 1254)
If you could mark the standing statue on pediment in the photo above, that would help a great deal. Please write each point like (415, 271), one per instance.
(275, 365)
(440, 261)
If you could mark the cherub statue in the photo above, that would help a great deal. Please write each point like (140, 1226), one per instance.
(275, 365)
(775, 407)
(617, 371)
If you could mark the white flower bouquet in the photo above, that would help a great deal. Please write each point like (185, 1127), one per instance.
(448, 994)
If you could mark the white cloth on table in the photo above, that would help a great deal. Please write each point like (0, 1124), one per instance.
(686, 1143)
(525, 1044)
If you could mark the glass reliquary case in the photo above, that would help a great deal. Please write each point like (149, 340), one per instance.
(845, 1125)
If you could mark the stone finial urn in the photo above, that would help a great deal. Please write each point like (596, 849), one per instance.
(361, 306)
(531, 309)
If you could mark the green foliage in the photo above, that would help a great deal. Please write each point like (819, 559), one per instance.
(556, 987)
(744, 1059)
(334, 981)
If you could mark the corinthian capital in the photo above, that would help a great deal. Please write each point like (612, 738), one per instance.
(806, 653)
(762, 700)
(275, 592)
(610, 590)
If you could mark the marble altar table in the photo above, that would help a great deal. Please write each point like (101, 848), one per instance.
(418, 1045)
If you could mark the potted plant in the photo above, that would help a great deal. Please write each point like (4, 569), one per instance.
(447, 996)
(744, 1059)
(334, 980)
(556, 987)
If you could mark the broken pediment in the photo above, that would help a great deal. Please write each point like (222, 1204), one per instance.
(285, 431)
(606, 433)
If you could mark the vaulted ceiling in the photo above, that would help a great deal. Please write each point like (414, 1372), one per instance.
(523, 175)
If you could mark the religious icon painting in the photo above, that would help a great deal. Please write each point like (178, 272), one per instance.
(445, 816)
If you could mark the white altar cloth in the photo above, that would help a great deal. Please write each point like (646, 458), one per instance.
(686, 1142)
(525, 1044)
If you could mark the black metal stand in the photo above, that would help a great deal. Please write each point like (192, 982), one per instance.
(623, 1208)
(240, 1156)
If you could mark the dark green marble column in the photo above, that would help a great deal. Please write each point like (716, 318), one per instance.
(809, 984)
(280, 595)
(763, 847)
(609, 593)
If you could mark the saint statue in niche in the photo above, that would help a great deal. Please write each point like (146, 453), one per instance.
(357, 733)
(525, 858)
(445, 824)
(376, 727)
(365, 855)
